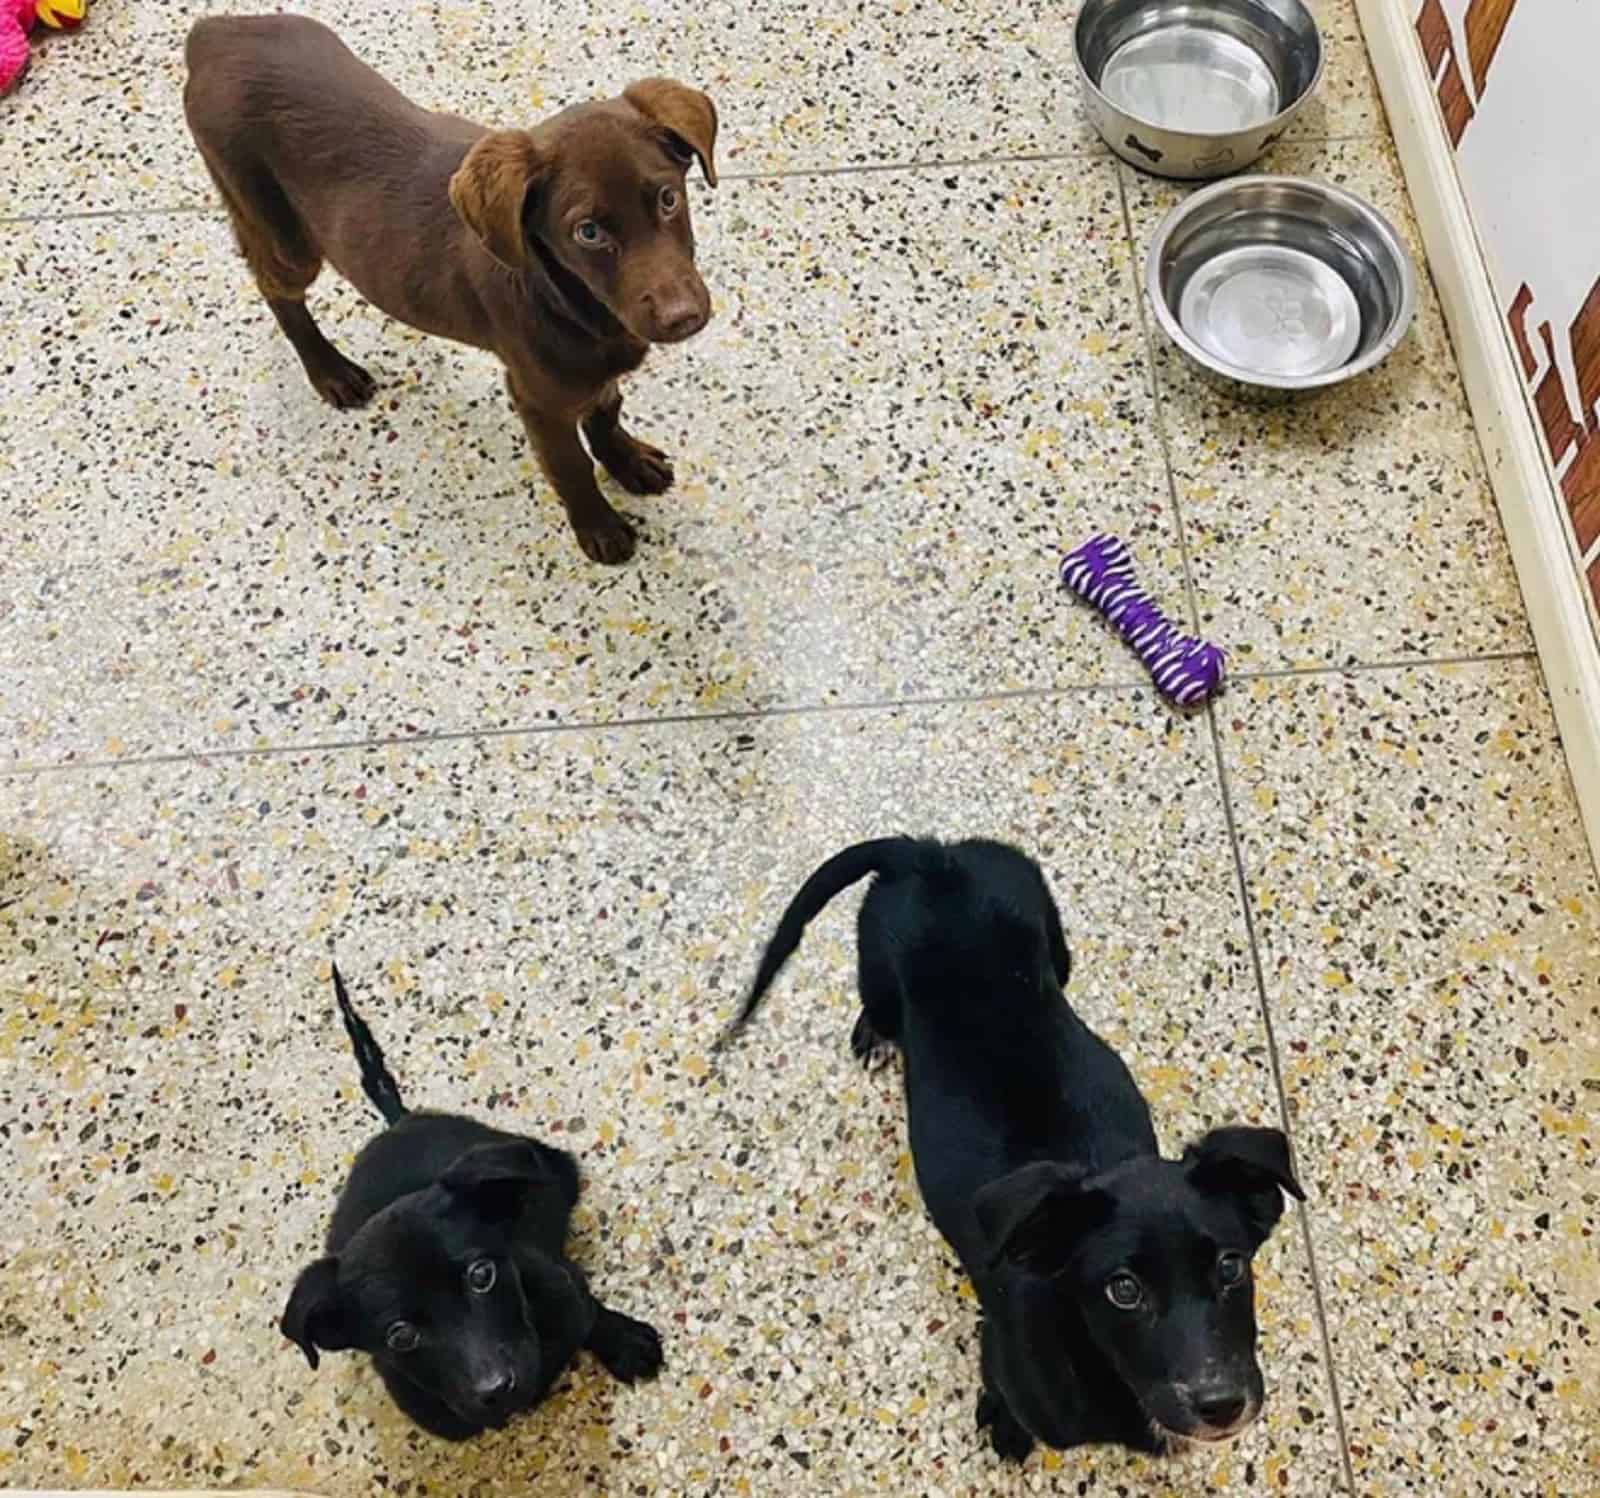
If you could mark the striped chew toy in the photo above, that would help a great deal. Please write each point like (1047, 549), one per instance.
(1187, 671)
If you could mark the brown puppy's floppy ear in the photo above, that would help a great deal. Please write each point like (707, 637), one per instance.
(686, 114)
(496, 1178)
(490, 191)
(1247, 1163)
(314, 1316)
(1033, 1217)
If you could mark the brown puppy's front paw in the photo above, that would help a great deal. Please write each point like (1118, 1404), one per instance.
(610, 541)
(638, 467)
(343, 383)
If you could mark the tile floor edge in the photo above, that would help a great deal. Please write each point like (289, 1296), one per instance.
(1302, 1209)
(1083, 148)
(25, 768)
(1191, 597)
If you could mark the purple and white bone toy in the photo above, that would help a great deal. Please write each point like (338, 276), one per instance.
(1187, 670)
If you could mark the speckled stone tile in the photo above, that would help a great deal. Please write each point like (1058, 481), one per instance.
(549, 930)
(1356, 525)
(98, 124)
(920, 387)
(864, 82)
(1430, 930)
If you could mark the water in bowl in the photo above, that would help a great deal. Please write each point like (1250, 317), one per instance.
(1191, 78)
(1271, 309)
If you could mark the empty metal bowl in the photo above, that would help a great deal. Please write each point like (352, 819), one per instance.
(1279, 283)
(1195, 88)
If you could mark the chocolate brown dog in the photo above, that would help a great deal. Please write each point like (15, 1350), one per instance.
(566, 249)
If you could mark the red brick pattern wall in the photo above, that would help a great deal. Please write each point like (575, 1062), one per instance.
(1572, 435)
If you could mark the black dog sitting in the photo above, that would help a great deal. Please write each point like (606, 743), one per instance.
(445, 1265)
(1116, 1288)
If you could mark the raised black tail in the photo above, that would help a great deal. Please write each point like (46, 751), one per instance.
(883, 855)
(376, 1081)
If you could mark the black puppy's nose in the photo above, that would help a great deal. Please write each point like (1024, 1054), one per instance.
(1220, 1410)
(495, 1388)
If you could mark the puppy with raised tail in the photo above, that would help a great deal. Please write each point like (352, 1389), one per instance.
(1115, 1285)
(446, 1265)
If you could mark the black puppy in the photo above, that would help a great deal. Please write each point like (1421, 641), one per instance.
(445, 1265)
(1116, 1290)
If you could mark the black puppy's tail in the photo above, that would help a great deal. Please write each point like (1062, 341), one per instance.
(376, 1080)
(882, 855)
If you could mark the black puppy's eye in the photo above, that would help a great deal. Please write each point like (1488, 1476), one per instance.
(589, 233)
(1124, 1292)
(669, 200)
(480, 1277)
(402, 1336)
(1230, 1269)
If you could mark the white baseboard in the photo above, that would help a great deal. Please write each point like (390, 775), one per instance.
(1530, 501)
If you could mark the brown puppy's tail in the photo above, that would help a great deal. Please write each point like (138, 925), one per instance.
(376, 1080)
(883, 855)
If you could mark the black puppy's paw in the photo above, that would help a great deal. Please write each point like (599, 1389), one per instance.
(630, 1350)
(1007, 1434)
(869, 1047)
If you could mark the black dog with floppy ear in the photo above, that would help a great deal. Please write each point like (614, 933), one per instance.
(1108, 1258)
(446, 1265)
(1115, 1285)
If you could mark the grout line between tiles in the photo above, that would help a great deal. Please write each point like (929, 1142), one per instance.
(1243, 884)
(732, 715)
(579, 725)
(1395, 663)
(1191, 594)
(917, 164)
(1147, 334)
(77, 215)
(1093, 148)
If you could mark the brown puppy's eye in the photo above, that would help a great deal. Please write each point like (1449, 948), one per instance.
(480, 1277)
(1124, 1292)
(589, 234)
(669, 200)
(1230, 1269)
(402, 1336)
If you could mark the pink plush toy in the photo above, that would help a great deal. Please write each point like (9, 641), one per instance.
(16, 21)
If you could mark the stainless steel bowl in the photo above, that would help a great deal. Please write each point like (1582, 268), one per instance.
(1279, 283)
(1195, 88)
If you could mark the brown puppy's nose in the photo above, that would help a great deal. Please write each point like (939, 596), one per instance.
(678, 316)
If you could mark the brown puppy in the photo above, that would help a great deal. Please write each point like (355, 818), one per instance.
(566, 249)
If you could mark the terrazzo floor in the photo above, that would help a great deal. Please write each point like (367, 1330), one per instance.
(278, 683)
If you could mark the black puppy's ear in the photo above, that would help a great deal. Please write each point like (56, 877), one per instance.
(1251, 1164)
(1033, 1217)
(496, 1178)
(314, 1316)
